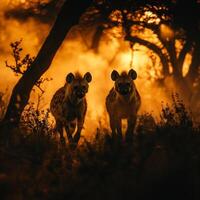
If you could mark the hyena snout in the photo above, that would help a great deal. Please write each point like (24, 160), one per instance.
(124, 88)
(80, 93)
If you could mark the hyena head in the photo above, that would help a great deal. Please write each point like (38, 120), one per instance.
(124, 82)
(78, 85)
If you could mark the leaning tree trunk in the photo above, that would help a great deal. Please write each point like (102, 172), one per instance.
(68, 17)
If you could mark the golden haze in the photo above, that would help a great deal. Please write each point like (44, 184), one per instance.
(74, 55)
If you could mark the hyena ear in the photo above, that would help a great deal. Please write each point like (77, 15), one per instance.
(114, 75)
(132, 73)
(70, 78)
(88, 77)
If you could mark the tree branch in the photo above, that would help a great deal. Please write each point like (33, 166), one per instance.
(154, 48)
(168, 45)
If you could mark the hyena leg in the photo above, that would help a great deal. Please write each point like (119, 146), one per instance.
(79, 129)
(113, 126)
(119, 128)
(130, 129)
(69, 128)
(59, 128)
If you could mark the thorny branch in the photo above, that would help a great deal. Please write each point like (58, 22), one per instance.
(23, 63)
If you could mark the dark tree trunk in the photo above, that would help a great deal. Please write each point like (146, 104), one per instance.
(194, 67)
(183, 88)
(97, 38)
(68, 17)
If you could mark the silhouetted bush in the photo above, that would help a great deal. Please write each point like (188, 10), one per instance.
(162, 161)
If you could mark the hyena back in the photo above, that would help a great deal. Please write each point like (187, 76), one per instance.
(69, 106)
(123, 102)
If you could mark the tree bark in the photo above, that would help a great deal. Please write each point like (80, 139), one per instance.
(68, 17)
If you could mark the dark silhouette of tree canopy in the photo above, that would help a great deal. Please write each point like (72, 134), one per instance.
(44, 11)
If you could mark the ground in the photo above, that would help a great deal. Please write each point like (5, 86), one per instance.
(161, 162)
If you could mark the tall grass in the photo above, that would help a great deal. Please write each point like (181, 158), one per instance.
(162, 161)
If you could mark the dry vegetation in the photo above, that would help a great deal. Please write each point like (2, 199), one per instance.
(161, 162)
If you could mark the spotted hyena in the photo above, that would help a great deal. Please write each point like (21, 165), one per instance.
(69, 106)
(123, 102)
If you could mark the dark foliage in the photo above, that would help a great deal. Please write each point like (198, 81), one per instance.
(21, 64)
(43, 11)
(162, 162)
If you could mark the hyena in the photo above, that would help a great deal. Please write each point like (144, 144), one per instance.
(123, 102)
(69, 106)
